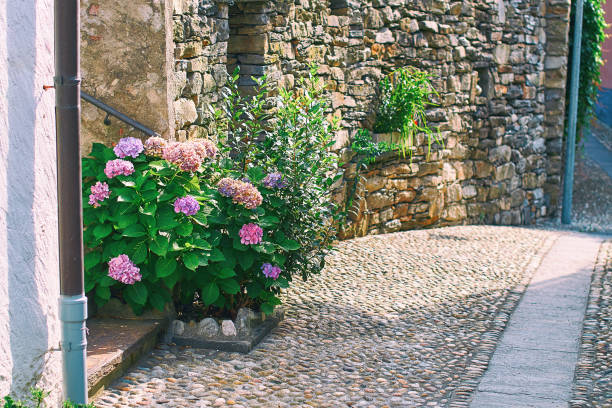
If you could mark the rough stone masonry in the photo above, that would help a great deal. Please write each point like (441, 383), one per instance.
(500, 68)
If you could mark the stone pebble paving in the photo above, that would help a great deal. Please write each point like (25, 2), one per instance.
(593, 378)
(398, 320)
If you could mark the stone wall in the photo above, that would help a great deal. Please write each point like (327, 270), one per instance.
(499, 67)
(29, 267)
(201, 34)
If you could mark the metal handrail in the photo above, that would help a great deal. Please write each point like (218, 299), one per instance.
(114, 112)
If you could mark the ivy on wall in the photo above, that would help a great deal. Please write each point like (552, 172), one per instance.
(593, 36)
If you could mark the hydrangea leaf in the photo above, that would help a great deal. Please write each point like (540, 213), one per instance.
(210, 293)
(137, 293)
(165, 267)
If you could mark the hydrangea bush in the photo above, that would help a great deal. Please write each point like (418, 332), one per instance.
(222, 225)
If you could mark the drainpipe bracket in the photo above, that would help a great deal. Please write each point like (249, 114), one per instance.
(66, 81)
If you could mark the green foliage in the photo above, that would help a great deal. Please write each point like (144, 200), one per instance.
(591, 60)
(367, 151)
(299, 147)
(199, 261)
(405, 95)
(138, 220)
(37, 398)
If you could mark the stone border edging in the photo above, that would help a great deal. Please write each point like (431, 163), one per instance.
(243, 345)
(583, 382)
(462, 395)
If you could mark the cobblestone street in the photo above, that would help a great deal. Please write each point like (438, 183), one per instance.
(405, 319)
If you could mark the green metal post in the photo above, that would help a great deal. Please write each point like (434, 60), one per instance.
(570, 152)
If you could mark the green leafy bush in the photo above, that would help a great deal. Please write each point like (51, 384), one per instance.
(593, 36)
(37, 398)
(214, 228)
(405, 94)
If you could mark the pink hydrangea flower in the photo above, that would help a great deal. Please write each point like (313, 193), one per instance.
(271, 271)
(154, 146)
(188, 205)
(128, 146)
(123, 270)
(99, 193)
(204, 147)
(183, 155)
(118, 167)
(241, 192)
(250, 234)
(189, 155)
(248, 195)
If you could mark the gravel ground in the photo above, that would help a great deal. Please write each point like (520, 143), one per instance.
(602, 132)
(592, 200)
(407, 320)
(593, 380)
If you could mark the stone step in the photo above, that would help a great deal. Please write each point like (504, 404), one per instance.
(113, 345)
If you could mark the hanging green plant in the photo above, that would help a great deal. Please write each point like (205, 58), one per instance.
(593, 36)
(367, 152)
(405, 95)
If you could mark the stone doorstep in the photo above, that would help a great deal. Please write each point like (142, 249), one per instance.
(241, 345)
(113, 345)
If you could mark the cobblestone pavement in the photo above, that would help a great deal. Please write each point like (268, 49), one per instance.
(407, 319)
(593, 380)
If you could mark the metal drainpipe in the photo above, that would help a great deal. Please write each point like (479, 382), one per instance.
(73, 303)
(570, 153)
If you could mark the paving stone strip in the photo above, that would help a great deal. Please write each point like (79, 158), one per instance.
(396, 320)
(533, 365)
(593, 379)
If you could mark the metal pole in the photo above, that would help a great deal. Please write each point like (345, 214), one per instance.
(73, 303)
(568, 180)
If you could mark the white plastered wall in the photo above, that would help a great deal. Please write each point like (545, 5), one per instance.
(29, 282)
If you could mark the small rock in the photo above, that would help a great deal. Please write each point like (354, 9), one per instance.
(244, 320)
(178, 327)
(208, 327)
(228, 329)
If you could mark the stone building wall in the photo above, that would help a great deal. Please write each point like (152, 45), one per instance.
(126, 58)
(499, 67)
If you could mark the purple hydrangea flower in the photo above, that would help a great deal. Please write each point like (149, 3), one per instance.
(271, 271)
(188, 205)
(99, 193)
(124, 270)
(118, 167)
(227, 186)
(274, 180)
(250, 234)
(128, 146)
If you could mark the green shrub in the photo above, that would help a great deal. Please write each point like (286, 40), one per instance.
(405, 94)
(37, 397)
(214, 227)
(591, 60)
